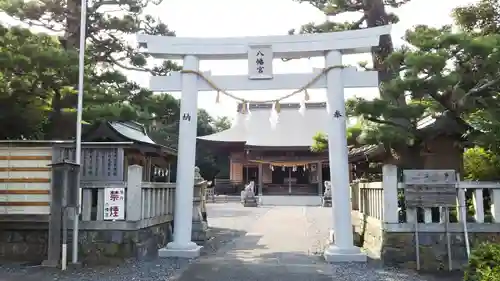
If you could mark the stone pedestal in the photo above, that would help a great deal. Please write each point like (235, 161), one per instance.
(327, 201)
(250, 202)
(248, 198)
(199, 232)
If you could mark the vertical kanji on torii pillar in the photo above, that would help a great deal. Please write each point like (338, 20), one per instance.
(260, 52)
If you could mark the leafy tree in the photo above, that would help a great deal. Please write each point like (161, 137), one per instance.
(447, 73)
(221, 123)
(441, 74)
(321, 143)
(481, 165)
(108, 24)
(211, 162)
(482, 18)
(33, 69)
(371, 14)
(484, 263)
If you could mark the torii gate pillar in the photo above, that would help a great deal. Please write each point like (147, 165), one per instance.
(260, 51)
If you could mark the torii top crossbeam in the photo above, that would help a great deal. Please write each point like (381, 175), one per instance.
(283, 46)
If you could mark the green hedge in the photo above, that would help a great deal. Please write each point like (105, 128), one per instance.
(484, 263)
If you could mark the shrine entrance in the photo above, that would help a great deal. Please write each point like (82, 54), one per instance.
(260, 52)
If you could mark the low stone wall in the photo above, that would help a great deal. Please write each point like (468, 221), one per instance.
(96, 246)
(399, 249)
(23, 245)
(367, 233)
(395, 245)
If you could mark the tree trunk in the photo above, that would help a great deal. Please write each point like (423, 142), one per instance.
(405, 157)
(70, 40)
(377, 16)
(410, 157)
(55, 131)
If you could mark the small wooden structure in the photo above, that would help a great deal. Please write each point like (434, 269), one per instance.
(114, 155)
(441, 148)
(278, 160)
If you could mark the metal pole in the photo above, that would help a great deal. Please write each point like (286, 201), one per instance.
(289, 180)
(64, 254)
(462, 207)
(448, 238)
(79, 111)
(417, 241)
(64, 251)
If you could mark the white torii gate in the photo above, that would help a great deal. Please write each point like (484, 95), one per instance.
(260, 51)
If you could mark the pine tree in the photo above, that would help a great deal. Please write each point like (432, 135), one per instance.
(109, 23)
(440, 74)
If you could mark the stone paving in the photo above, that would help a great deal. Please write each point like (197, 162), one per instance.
(250, 244)
(278, 243)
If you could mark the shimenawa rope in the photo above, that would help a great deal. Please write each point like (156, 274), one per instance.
(276, 102)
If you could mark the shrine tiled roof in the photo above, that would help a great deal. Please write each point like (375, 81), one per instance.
(132, 131)
(293, 129)
(119, 131)
(365, 152)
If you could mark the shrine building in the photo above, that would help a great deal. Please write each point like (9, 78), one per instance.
(277, 158)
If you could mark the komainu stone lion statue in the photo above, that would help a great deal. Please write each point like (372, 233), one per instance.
(248, 195)
(327, 195)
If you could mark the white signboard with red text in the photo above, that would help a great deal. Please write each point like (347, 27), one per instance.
(114, 203)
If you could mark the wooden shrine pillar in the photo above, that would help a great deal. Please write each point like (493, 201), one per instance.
(260, 179)
(320, 178)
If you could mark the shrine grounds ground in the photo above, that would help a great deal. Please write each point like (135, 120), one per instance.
(248, 244)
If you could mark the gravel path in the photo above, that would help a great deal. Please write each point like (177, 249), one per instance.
(249, 244)
(227, 215)
(279, 243)
(129, 271)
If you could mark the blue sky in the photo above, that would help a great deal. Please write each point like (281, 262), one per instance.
(227, 18)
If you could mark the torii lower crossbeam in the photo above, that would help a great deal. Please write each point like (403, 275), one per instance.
(351, 76)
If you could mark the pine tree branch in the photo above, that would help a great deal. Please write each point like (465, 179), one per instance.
(391, 123)
(357, 24)
(478, 89)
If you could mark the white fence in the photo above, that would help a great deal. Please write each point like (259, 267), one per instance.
(144, 201)
(385, 201)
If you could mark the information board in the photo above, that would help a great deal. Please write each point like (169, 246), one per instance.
(430, 188)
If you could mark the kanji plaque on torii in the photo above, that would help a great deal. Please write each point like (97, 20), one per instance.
(260, 62)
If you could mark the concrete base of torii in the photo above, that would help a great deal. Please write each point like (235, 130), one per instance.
(189, 251)
(340, 254)
(335, 254)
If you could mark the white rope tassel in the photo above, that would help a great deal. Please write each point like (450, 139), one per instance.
(302, 108)
(249, 113)
(237, 120)
(274, 118)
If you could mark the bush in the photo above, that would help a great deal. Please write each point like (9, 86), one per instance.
(484, 263)
(481, 164)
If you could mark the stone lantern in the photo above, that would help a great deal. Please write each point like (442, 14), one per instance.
(199, 232)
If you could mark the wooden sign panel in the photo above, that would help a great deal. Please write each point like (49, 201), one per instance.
(260, 62)
(430, 188)
(428, 196)
(429, 176)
